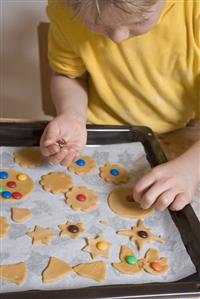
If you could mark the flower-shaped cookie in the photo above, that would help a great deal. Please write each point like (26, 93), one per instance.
(14, 185)
(56, 182)
(82, 199)
(129, 263)
(4, 227)
(97, 247)
(153, 264)
(140, 235)
(114, 173)
(41, 235)
(28, 157)
(84, 165)
(71, 229)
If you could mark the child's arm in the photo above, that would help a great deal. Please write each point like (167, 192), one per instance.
(70, 99)
(171, 184)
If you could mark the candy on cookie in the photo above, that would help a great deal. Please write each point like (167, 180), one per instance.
(72, 230)
(82, 199)
(114, 173)
(153, 264)
(97, 247)
(84, 165)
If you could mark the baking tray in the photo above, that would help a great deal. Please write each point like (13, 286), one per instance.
(28, 134)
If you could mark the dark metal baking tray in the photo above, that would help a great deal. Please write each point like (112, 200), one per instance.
(28, 134)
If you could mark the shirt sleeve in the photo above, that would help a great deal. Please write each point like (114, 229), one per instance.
(63, 59)
(197, 60)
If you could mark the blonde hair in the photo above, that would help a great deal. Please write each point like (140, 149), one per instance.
(95, 8)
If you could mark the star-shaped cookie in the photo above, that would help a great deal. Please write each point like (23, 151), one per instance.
(97, 247)
(129, 263)
(71, 229)
(41, 235)
(153, 264)
(4, 227)
(140, 235)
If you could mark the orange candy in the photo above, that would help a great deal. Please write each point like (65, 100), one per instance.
(156, 266)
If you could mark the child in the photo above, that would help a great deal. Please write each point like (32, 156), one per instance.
(131, 62)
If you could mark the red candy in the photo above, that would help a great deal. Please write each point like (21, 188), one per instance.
(81, 197)
(17, 195)
(11, 184)
(130, 198)
(156, 266)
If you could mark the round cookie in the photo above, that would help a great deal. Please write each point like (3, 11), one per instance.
(56, 182)
(122, 203)
(82, 199)
(84, 165)
(114, 173)
(28, 157)
(14, 185)
(153, 264)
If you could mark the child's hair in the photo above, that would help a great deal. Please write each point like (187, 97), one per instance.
(95, 8)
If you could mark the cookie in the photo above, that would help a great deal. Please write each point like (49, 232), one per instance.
(129, 263)
(41, 235)
(140, 235)
(153, 264)
(20, 215)
(28, 157)
(95, 271)
(122, 203)
(97, 247)
(114, 173)
(82, 199)
(56, 182)
(14, 185)
(55, 271)
(16, 273)
(4, 227)
(84, 165)
(71, 229)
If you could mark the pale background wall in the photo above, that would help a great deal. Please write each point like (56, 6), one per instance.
(20, 94)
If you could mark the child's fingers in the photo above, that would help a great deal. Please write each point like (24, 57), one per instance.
(152, 194)
(164, 200)
(180, 202)
(50, 150)
(51, 134)
(143, 184)
(68, 158)
(57, 158)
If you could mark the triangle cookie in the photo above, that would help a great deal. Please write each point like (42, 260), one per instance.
(95, 271)
(21, 214)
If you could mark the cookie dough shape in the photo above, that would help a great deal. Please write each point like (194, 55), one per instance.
(4, 227)
(82, 199)
(95, 271)
(20, 215)
(16, 273)
(97, 247)
(56, 182)
(125, 266)
(41, 235)
(84, 165)
(71, 229)
(153, 264)
(114, 173)
(55, 271)
(122, 203)
(28, 157)
(15, 185)
(140, 235)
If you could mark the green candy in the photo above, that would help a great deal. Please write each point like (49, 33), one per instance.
(1, 189)
(131, 260)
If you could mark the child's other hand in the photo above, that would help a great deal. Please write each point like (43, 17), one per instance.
(171, 184)
(65, 128)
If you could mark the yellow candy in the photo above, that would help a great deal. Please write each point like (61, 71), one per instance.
(22, 177)
(102, 245)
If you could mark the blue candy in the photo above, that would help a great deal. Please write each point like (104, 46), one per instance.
(6, 194)
(114, 172)
(3, 175)
(80, 162)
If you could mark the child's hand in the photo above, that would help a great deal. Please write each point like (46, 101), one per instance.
(68, 129)
(171, 184)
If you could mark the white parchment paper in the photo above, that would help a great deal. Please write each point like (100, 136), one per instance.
(50, 211)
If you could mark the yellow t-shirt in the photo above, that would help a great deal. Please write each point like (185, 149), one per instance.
(152, 79)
